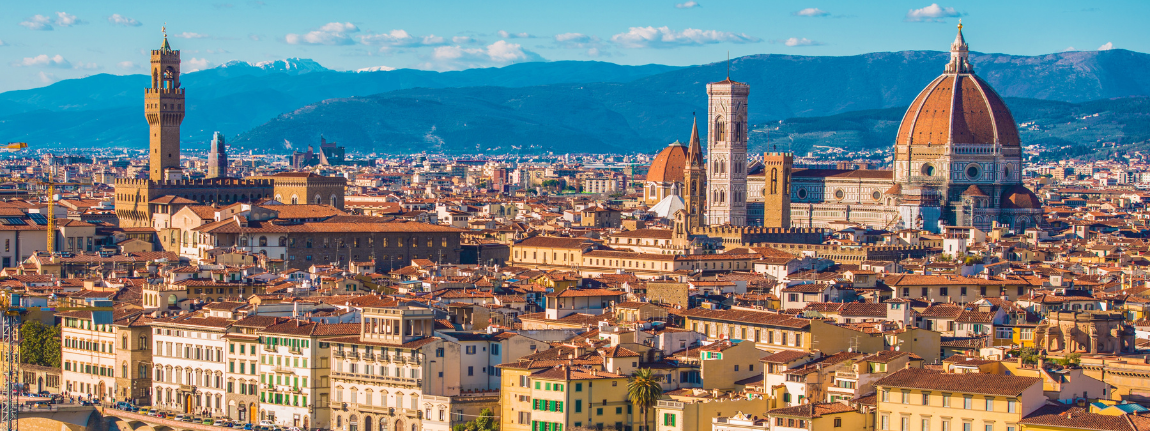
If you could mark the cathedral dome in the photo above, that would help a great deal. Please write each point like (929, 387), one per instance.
(958, 107)
(669, 164)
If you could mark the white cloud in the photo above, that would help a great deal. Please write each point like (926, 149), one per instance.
(578, 41)
(126, 65)
(1069, 48)
(800, 41)
(500, 53)
(332, 33)
(63, 19)
(47, 78)
(43, 60)
(376, 69)
(195, 64)
(1108, 46)
(190, 35)
(812, 11)
(86, 66)
(400, 39)
(687, 4)
(117, 19)
(932, 13)
(664, 37)
(508, 35)
(463, 40)
(38, 22)
(254, 37)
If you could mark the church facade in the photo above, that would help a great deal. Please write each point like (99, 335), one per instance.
(957, 162)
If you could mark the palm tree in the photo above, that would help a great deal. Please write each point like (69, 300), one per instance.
(643, 390)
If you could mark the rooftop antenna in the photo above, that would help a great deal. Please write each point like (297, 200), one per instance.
(728, 65)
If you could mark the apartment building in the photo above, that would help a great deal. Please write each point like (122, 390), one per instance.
(242, 388)
(88, 354)
(189, 367)
(294, 372)
(134, 354)
(394, 374)
(925, 399)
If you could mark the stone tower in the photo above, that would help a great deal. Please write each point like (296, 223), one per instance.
(218, 158)
(694, 180)
(164, 109)
(727, 153)
(777, 189)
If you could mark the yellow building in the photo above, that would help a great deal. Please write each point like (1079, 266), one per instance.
(693, 409)
(560, 397)
(925, 399)
(774, 332)
(550, 252)
(817, 417)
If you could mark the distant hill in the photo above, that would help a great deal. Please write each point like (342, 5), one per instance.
(547, 106)
(1058, 129)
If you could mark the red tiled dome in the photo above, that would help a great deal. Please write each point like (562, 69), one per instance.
(959, 109)
(669, 164)
(1019, 197)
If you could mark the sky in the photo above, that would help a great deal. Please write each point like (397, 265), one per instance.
(42, 42)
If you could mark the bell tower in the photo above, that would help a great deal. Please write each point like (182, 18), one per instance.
(164, 109)
(695, 181)
(777, 189)
(727, 153)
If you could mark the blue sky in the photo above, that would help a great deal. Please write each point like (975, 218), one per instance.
(45, 41)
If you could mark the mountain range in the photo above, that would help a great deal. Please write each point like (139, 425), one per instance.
(564, 106)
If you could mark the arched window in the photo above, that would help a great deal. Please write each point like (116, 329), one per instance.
(720, 129)
(283, 241)
(294, 199)
(774, 181)
(263, 241)
(318, 200)
(333, 200)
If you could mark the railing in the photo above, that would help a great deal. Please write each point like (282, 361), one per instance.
(280, 369)
(337, 353)
(369, 356)
(270, 348)
(295, 349)
(847, 374)
(388, 379)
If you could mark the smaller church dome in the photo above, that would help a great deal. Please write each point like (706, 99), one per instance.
(669, 164)
(1019, 197)
(973, 190)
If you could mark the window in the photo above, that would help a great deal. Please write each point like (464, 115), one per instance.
(470, 350)
(906, 397)
(968, 402)
(926, 398)
(886, 396)
(946, 400)
(885, 422)
(1011, 406)
(578, 406)
(669, 419)
(989, 427)
(990, 404)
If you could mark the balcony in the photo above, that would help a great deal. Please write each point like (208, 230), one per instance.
(369, 356)
(280, 369)
(381, 379)
(296, 349)
(849, 375)
(337, 354)
(353, 356)
(270, 348)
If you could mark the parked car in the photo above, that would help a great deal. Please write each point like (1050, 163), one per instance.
(248, 427)
(220, 423)
(207, 421)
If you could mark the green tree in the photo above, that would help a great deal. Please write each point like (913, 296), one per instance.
(643, 390)
(39, 344)
(485, 422)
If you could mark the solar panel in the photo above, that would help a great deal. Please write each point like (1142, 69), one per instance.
(16, 221)
(40, 219)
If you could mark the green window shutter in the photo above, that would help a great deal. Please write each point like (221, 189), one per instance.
(672, 420)
(560, 406)
(305, 400)
(537, 385)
